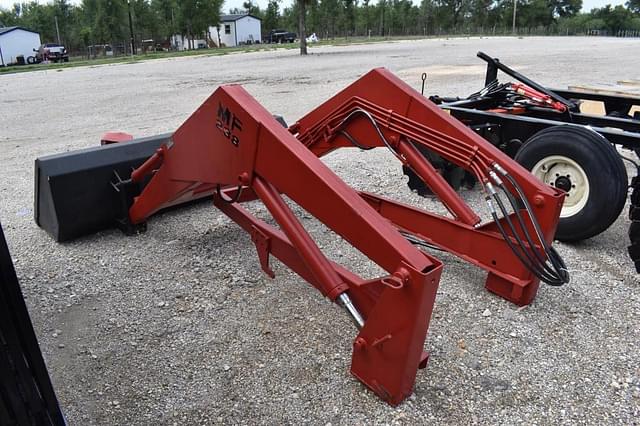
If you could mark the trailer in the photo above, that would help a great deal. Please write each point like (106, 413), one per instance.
(549, 133)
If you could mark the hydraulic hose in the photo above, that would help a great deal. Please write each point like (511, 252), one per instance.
(540, 261)
(559, 266)
(527, 260)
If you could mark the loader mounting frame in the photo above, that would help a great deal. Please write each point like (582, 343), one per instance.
(233, 149)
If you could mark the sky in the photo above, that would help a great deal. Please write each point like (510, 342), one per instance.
(229, 4)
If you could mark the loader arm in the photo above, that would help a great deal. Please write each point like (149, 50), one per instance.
(232, 142)
(395, 116)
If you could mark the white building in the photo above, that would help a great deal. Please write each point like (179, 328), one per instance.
(180, 42)
(15, 41)
(235, 30)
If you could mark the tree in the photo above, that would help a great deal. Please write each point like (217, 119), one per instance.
(302, 31)
(40, 16)
(251, 8)
(62, 11)
(364, 17)
(566, 8)
(381, 6)
(196, 16)
(481, 12)
(454, 10)
(145, 22)
(634, 6)
(109, 21)
(106, 21)
(188, 13)
(209, 14)
(10, 17)
(349, 21)
(289, 18)
(615, 19)
(330, 14)
(272, 16)
(535, 13)
(165, 12)
(426, 13)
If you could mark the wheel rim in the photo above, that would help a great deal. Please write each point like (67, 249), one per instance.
(563, 173)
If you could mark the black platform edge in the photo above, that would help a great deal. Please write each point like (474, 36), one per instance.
(26, 394)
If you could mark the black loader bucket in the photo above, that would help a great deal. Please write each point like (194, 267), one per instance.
(75, 193)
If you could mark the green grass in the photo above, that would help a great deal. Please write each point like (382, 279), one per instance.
(82, 62)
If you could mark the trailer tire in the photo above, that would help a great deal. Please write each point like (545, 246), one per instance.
(599, 182)
(634, 229)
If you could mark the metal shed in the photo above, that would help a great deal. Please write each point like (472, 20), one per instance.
(16, 41)
(238, 29)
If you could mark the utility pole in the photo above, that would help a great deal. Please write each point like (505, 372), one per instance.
(133, 41)
(515, 8)
(55, 17)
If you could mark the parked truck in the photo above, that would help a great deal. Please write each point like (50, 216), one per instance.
(52, 52)
(281, 36)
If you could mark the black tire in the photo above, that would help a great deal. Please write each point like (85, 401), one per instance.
(31, 60)
(634, 229)
(627, 116)
(605, 173)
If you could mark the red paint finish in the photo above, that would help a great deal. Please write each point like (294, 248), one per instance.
(539, 97)
(438, 184)
(404, 115)
(232, 143)
(115, 137)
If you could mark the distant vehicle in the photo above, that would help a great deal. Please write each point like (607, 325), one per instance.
(49, 52)
(281, 36)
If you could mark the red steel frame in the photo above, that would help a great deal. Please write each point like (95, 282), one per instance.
(232, 142)
(406, 118)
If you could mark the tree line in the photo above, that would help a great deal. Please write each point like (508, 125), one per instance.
(344, 18)
(99, 22)
(107, 21)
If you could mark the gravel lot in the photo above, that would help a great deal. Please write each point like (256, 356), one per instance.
(180, 326)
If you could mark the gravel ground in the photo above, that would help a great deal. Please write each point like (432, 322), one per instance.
(180, 326)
